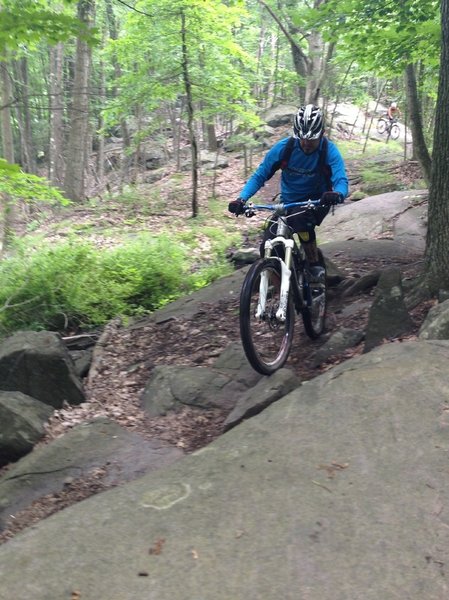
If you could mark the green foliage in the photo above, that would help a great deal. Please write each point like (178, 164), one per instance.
(29, 21)
(353, 148)
(19, 185)
(384, 36)
(376, 174)
(74, 285)
(150, 53)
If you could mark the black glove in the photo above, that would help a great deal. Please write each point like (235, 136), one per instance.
(331, 198)
(237, 207)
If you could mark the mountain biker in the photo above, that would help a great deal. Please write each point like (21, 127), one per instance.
(393, 112)
(315, 170)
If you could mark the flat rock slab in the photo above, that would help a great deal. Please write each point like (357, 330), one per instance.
(187, 306)
(338, 491)
(100, 443)
(360, 249)
(378, 216)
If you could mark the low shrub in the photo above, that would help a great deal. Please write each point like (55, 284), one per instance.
(75, 285)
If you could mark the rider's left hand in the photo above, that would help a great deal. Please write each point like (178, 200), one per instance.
(237, 207)
(331, 198)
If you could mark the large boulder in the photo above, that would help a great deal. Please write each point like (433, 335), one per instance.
(38, 364)
(171, 387)
(259, 397)
(341, 340)
(21, 424)
(280, 115)
(101, 444)
(388, 316)
(436, 324)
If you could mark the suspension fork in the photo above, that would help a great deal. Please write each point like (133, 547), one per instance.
(281, 313)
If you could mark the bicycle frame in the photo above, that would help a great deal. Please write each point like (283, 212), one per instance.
(288, 243)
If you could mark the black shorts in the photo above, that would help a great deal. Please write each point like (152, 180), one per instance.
(304, 222)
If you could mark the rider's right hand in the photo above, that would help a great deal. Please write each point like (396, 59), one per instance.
(331, 198)
(237, 207)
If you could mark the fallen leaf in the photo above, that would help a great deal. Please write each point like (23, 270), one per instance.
(157, 547)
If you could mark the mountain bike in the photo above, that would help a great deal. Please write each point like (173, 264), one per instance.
(390, 127)
(275, 289)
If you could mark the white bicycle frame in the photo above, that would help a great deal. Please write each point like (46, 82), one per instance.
(282, 237)
(281, 313)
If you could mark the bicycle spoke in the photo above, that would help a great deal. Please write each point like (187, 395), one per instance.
(266, 339)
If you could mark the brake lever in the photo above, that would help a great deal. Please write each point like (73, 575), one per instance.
(249, 211)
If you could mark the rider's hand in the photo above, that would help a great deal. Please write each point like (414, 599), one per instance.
(237, 207)
(331, 198)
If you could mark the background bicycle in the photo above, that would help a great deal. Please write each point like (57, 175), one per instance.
(275, 289)
(390, 127)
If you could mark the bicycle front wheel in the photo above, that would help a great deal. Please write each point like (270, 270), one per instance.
(395, 131)
(381, 125)
(266, 338)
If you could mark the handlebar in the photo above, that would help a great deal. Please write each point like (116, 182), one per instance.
(280, 207)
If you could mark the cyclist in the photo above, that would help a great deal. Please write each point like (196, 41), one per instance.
(393, 112)
(314, 169)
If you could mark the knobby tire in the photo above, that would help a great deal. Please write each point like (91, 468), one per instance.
(314, 314)
(266, 341)
(382, 125)
(395, 131)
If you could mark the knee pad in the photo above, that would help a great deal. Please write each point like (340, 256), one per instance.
(307, 236)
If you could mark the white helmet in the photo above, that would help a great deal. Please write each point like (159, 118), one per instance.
(394, 105)
(308, 123)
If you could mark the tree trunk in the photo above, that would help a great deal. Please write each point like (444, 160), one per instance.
(414, 110)
(6, 104)
(27, 152)
(212, 143)
(7, 207)
(437, 243)
(315, 66)
(311, 68)
(272, 91)
(100, 136)
(113, 34)
(301, 68)
(56, 146)
(258, 86)
(74, 180)
(190, 116)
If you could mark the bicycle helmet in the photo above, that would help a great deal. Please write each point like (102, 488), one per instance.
(308, 123)
(394, 105)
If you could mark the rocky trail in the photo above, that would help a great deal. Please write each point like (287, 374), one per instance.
(128, 354)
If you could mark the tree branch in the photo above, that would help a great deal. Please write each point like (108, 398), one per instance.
(141, 12)
(285, 31)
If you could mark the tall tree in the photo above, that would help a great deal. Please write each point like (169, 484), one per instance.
(23, 114)
(310, 54)
(7, 102)
(388, 38)
(437, 243)
(415, 111)
(183, 52)
(56, 106)
(114, 34)
(7, 206)
(74, 179)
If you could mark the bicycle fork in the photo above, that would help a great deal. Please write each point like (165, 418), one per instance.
(281, 313)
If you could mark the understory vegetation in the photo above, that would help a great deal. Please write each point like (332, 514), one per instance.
(76, 285)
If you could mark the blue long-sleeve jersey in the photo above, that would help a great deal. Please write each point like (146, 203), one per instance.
(300, 180)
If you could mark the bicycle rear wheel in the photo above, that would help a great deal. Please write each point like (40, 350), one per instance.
(381, 125)
(266, 339)
(314, 314)
(395, 131)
